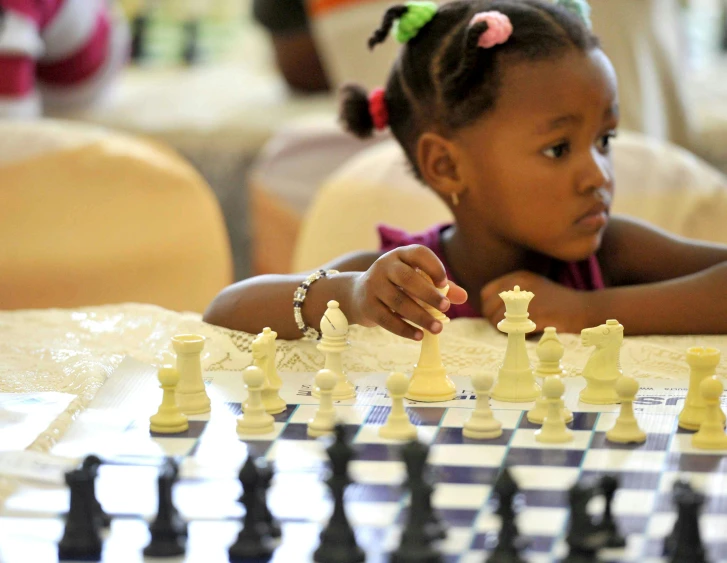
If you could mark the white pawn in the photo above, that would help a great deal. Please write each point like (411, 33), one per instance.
(324, 420)
(254, 419)
(711, 434)
(626, 430)
(168, 419)
(554, 430)
(549, 351)
(482, 425)
(398, 426)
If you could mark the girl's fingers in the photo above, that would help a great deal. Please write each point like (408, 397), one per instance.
(385, 318)
(404, 306)
(407, 278)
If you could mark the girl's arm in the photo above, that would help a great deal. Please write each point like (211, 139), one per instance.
(252, 304)
(660, 283)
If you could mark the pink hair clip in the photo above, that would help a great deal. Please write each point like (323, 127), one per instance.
(499, 28)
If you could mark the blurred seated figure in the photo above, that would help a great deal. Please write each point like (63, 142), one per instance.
(321, 44)
(57, 54)
(295, 50)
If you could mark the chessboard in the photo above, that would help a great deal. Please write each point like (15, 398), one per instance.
(210, 453)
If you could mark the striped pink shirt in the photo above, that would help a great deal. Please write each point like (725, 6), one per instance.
(57, 53)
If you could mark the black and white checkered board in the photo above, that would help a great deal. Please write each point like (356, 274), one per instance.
(465, 470)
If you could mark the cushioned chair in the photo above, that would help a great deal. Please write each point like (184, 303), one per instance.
(660, 183)
(91, 217)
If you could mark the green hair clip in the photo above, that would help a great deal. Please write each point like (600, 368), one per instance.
(579, 8)
(418, 14)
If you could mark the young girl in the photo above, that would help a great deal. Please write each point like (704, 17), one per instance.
(505, 108)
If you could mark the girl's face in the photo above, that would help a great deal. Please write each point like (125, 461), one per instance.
(537, 170)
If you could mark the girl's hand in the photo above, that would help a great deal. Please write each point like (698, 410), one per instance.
(384, 294)
(553, 304)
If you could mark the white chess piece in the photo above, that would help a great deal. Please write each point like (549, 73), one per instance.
(482, 425)
(334, 341)
(554, 430)
(191, 393)
(324, 419)
(711, 434)
(603, 368)
(262, 358)
(549, 351)
(168, 419)
(429, 380)
(254, 419)
(397, 425)
(702, 365)
(515, 381)
(626, 429)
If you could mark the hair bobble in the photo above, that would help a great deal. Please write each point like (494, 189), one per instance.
(499, 28)
(378, 110)
(418, 14)
(580, 8)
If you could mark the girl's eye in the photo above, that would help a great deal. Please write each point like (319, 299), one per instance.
(605, 141)
(558, 151)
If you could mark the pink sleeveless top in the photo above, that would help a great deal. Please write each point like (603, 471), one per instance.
(584, 275)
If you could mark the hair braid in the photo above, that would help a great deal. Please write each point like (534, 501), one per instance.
(469, 73)
(391, 15)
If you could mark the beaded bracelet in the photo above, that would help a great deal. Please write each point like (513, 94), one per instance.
(299, 298)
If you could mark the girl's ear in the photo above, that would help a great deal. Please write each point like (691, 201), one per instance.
(438, 162)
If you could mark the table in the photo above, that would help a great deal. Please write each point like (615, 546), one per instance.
(74, 352)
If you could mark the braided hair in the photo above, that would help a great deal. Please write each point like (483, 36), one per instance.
(443, 81)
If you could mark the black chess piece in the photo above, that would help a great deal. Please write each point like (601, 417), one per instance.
(338, 542)
(91, 464)
(509, 543)
(688, 540)
(679, 488)
(81, 540)
(265, 471)
(416, 539)
(608, 485)
(253, 542)
(168, 531)
(584, 538)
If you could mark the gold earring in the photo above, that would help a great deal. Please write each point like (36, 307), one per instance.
(455, 199)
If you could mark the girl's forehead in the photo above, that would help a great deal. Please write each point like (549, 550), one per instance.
(575, 82)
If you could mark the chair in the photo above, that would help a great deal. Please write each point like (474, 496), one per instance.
(658, 182)
(92, 217)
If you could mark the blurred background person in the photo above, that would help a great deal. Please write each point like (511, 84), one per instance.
(58, 54)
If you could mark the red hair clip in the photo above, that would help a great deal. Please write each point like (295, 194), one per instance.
(378, 110)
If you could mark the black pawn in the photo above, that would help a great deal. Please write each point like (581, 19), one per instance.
(416, 539)
(253, 541)
(168, 531)
(584, 538)
(338, 542)
(266, 476)
(609, 485)
(678, 489)
(91, 464)
(81, 540)
(509, 543)
(688, 541)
